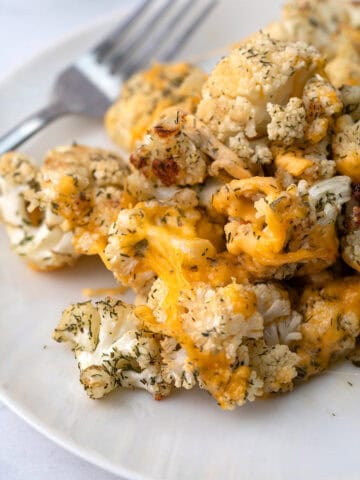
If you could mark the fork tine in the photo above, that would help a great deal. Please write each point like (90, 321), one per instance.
(167, 29)
(179, 42)
(116, 60)
(110, 41)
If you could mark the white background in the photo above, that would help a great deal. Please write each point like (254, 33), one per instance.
(26, 27)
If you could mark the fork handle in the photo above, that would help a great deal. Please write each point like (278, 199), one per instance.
(31, 125)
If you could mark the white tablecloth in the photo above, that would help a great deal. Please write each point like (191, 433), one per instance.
(27, 26)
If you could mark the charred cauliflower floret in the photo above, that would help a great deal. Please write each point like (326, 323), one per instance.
(261, 71)
(112, 348)
(37, 234)
(168, 155)
(346, 147)
(274, 231)
(147, 94)
(331, 324)
(179, 148)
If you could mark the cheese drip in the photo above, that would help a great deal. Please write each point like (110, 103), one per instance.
(180, 258)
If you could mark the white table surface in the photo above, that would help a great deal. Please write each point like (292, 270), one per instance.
(27, 26)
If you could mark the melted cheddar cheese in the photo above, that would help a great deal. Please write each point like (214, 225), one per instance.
(273, 226)
(175, 253)
(292, 162)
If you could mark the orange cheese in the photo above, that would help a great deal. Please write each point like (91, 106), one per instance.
(292, 163)
(262, 220)
(66, 186)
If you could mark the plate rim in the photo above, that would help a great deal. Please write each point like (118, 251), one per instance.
(74, 448)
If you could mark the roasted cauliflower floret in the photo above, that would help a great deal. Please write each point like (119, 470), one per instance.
(112, 348)
(275, 365)
(137, 189)
(36, 234)
(307, 156)
(176, 368)
(179, 148)
(329, 26)
(125, 251)
(322, 102)
(346, 147)
(66, 206)
(255, 153)
(219, 339)
(262, 70)
(287, 123)
(168, 155)
(327, 197)
(316, 22)
(308, 162)
(331, 324)
(85, 186)
(218, 319)
(281, 322)
(147, 94)
(274, 231)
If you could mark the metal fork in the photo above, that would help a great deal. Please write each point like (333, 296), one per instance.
(91, 84)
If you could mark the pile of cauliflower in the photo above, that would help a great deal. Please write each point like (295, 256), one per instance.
(235, 219)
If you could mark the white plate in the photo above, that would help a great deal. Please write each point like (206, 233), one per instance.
(311, 433)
